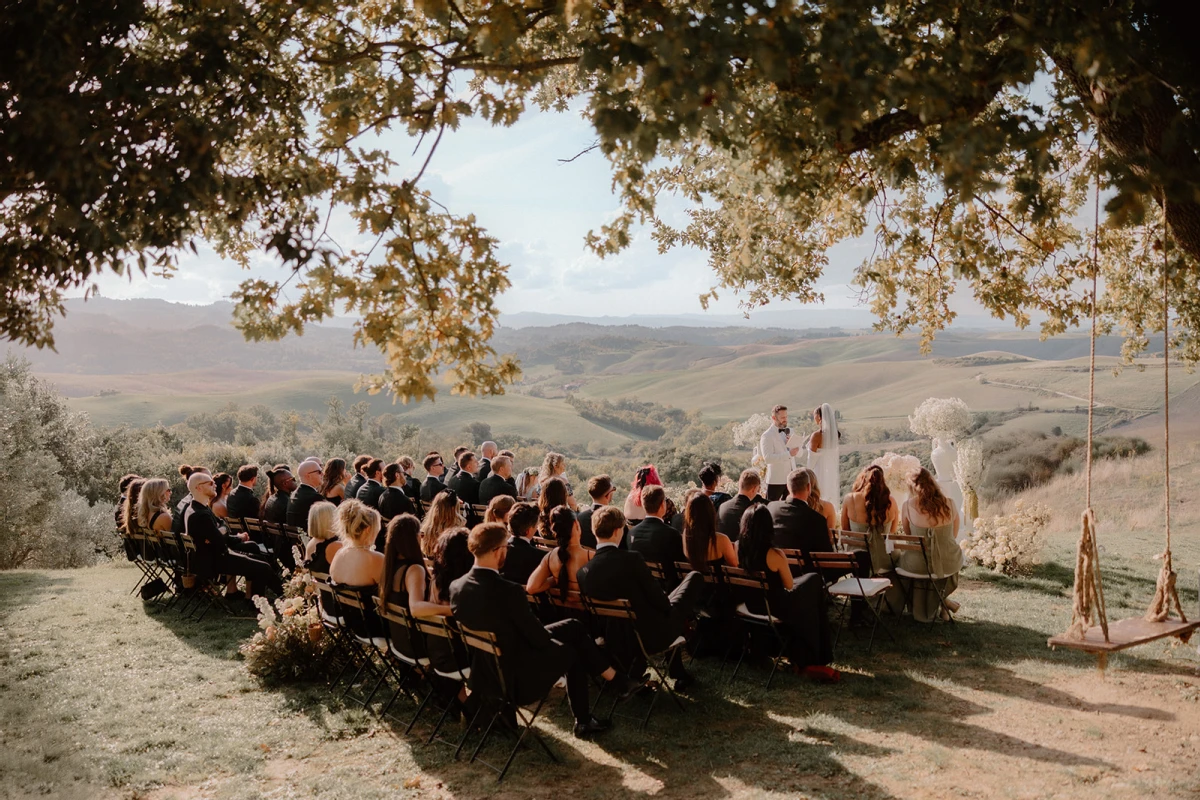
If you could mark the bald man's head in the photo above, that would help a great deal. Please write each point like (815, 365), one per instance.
(201, 487)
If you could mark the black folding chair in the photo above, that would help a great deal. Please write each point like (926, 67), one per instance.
(445, 629)
(372, 646)
(851, 587)
(345, 651)
(411, 671)
(501, 704)
(910, 580)
(755, 585)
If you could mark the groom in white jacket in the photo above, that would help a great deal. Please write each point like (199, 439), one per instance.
(772, 446)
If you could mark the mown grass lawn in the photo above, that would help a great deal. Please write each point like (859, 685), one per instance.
(101, 696)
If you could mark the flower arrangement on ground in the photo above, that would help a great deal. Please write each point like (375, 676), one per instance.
(968, 471)
(292, 644)
(1008, 544)
(897, 469)
(941, 417)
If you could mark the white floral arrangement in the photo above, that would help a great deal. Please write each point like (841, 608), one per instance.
(968, 471)
(291, 643)
(1008, 544)
(897, 469)
(747, 434)
(941, 417)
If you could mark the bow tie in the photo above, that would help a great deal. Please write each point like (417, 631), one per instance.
(785, 431)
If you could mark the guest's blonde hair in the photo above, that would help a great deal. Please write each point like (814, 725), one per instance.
(814, 495)
(357, 523)
(322, 521)
(553, 464)
(152, 498)
(442, 516)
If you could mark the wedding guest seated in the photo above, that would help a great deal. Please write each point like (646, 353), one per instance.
(451, 560)
(323, 542)
(497, 510)
(224, 483)
(645, 476)
(212, 556)
(798, 527)
(553, 495)
(441, 516)
(500, 482)
(510, 455)
(305, 494)
(523, 558)
(368, 494)
(280, 484)
(601, 490)
(616, 574)
(818, 504)
(463, 481)
(487, 452)
(357, 566)
(560, 566)
(703, 545)
(128, 520)
(185, 471)
(526, 481)
(710, 476)
(411, 486)
(406, 584)
(434, 467)
(870, 508)
(729, 516)
(452, 468)
(358, 479)
(929, 514)
(652, 538)
(534, 657)
(553, 466)
(799, 602)
(123, 486)
(154, 505)
(334, 481)
(393, 501)
(242, 502)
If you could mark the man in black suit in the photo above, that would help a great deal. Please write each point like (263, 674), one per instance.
(463, 482)
(601, 490)
(284, 483)
(533, 657)
(487, 453)
(368, 494)
(306, 494)
(213, 556)
(523, 558)
(654, 539)
(616, 574)
(500, 482)
(729, 517)
(797, 526)
(433, 485)
(242, 503)
(359, 479)
(452, 467)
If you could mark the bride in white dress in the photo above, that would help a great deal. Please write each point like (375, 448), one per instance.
(823, 454)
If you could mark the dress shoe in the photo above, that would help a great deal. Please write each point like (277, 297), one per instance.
(626, 687)
(590, 727)
(684, 682)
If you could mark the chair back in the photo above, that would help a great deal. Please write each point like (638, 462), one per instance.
(235, 525)
(542, 543)
(906, 542)
(735, 576)
(657, 571)
(479, 510)
(851, 540)
(611, 609)
(794, 558)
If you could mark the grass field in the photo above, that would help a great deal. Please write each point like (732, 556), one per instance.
(104, 697)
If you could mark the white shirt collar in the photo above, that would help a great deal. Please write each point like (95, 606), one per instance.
(602, 545)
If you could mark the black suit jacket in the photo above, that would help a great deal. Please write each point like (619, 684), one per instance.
(657, 541)
(393, 502)
(587, 537)
(465, 486)
(368, 494)
(494, 486)
(798, 527)
(531, 661)
(242, 503)
(431, 488)
(615, 574)
(202, 525)
(729, 517)
(355, 484)
(276, 509)
(302, 500)
(522, 559)
(485, 469)
(412, 488)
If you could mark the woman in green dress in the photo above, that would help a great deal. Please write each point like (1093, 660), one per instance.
(870, 508)
(928, 514)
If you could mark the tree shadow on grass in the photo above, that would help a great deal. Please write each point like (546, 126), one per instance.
(218, 635)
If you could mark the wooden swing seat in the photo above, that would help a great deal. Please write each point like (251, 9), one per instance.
(1123, 634)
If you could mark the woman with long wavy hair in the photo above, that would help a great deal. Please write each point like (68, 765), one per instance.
(560, 567)
(818, 503)
(703, 544)
(553, 495)
(929, 514)
(443, 514)
(334, 480)
(870, 508)
(154, 505)
(554, 465)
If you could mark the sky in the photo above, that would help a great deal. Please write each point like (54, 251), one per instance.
(540, 210)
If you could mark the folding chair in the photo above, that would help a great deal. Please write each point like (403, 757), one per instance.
(136, 546)
(851, 587)
(479, 510)
(235, 525)
(409, 667)
(916, 544)
(542, 543)
(206, 593)
(756, 583)
(484, 643)
(445, 628)
(294, 537)
(372, 644)
(659, 663)
(716, 608)
(335, 627)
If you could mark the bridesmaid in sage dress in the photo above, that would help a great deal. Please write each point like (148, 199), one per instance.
(870, 508)
(928, 514)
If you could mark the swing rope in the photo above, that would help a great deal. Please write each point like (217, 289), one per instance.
(1166, 597)
(1088, 597)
